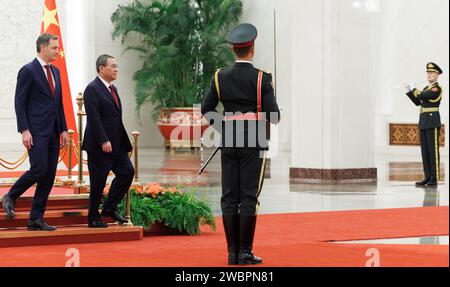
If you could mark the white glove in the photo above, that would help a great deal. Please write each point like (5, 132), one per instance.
(409, 87)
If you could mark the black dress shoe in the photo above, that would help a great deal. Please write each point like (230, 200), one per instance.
(246, 257)
(97, 224)
(40, 225)
(8, 206)
(431, 184)
(422, 183)
(115, 215)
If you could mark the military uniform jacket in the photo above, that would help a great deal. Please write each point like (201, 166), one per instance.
(429, 99)
(237, 90)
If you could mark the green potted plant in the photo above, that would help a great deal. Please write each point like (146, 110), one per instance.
(165, 210)
(181, 44)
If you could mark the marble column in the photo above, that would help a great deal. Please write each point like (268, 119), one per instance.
(332, 110)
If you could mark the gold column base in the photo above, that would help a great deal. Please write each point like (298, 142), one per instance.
(80, 189)
(69, 183)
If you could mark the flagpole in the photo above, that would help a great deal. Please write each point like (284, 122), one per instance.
(275, 50)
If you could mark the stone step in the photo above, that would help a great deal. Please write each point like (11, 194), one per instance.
(64, 217)
(69, 235)
(56, 202)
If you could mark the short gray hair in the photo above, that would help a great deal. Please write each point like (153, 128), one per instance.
(44, 39)
(102, 60)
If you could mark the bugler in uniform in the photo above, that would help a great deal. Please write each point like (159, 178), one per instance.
(247, 92)
(429, 124)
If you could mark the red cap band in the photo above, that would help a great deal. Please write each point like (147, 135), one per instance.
(248, 44)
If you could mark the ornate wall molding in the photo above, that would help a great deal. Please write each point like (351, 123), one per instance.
(408, 135)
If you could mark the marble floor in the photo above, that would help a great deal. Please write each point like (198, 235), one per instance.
(279, 195)
(394, 189)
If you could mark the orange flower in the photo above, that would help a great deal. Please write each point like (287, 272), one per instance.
(139, 189)
(172, 189)
(155, 189)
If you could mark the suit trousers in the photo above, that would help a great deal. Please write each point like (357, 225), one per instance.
(429, 142)
(43, 156)
(242, 180)
(100, 164)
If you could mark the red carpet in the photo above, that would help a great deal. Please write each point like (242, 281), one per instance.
(17, 174)
(297, 240)
(357, 225)
(30, 192)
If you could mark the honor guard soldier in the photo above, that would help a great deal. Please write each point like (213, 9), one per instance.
(248, 98)
(429, 124)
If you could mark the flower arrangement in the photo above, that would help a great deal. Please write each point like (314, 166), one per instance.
(154, 189)
(176, 210)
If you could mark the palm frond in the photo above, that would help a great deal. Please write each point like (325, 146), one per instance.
(182, 43)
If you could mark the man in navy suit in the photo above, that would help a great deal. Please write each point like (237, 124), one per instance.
(106, 143)
(41, 121)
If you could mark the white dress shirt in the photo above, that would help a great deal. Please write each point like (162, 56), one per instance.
(244, 61)
(105, 83)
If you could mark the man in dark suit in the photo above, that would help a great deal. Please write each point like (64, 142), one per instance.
(106, 143)
(247, 94)
(429, 124)
(41, 121)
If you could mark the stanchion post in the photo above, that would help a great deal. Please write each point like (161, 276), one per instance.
(136, 181)
(80, 115)
(69, 181)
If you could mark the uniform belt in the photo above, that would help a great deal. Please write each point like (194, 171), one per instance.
(246, 117)
(428, 110)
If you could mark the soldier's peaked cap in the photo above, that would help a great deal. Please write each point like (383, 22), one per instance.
(432, 67)
(243, 35)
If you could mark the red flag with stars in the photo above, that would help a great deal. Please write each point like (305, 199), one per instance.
(50, 24)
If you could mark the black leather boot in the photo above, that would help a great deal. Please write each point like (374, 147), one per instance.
(247, 225)
(231, 226)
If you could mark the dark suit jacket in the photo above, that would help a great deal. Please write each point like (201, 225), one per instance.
(104, 120)
(430, 97)
(36, 108)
